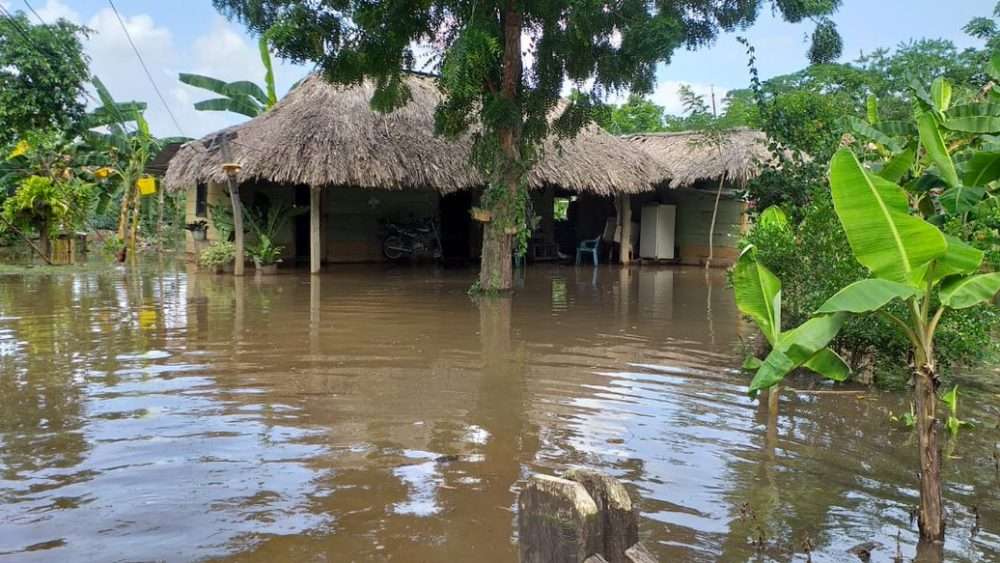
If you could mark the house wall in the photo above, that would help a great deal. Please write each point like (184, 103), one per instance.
(694, 218)
(350, 218)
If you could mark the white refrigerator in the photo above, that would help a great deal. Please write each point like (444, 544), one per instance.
(657, 239)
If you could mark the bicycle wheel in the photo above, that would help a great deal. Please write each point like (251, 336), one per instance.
(393, 247)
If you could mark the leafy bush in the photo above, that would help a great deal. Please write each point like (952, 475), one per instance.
(813, 260)
(45, 203)
(219, 253)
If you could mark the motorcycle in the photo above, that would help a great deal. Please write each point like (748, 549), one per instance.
(415, 241)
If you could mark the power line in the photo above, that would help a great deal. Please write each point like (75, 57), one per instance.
(34, 12)
(146, 69)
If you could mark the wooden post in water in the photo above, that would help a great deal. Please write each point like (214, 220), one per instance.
(315, 256)
(624, 204)
(232, 169)
(583, 517)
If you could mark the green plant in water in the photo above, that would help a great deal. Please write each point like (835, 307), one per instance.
(908, 419)
(219, 253)
(758, 295)
(264, 252)
(953, 423)
(910, 260)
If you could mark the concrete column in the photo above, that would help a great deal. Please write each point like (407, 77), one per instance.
(315, 253)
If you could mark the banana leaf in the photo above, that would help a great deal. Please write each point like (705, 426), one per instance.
(981, 169)
(960, 258)
(895, 169)
(969, 291)
(758, 294)
(795, 348)
(865, 296)
(828, 364)
(960, 199)
(941, 93)
(933, 142)
(883, 235)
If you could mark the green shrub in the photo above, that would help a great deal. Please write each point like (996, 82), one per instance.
(219, 253)
(813, 260)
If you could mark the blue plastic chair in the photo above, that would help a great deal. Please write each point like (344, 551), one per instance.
(588, 246)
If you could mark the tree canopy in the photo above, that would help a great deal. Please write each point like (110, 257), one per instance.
(42, 77)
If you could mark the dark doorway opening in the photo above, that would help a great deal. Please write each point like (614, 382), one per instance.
(456, 226)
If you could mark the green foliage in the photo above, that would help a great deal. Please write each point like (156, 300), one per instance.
(42, 76)
(266, 225)
(758, 295)
(219, 253)
(242, 97)
(637, 115)
(953, 423)
(265, 252)
(221, 216)
(46, 203)
(911, 259)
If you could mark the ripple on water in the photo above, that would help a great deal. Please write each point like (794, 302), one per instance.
(380, 414)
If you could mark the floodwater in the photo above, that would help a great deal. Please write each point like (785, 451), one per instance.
(379, 414)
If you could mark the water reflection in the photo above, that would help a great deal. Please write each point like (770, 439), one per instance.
(382, 414)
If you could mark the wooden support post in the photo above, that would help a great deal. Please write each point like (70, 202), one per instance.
(315, 254)
(232, 169)
(624, 205)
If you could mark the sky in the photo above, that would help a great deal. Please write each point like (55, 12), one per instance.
(176, 36)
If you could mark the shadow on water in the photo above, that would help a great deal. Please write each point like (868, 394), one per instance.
(380, 413)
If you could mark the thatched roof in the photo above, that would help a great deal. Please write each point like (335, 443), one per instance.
(693, 156)
(326, 135)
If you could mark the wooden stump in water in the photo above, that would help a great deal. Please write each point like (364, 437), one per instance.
(619, 521)
(586, 517)
(557, 521)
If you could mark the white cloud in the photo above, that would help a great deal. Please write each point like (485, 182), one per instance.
(54, 10)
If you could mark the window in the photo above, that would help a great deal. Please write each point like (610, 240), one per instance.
(201, 201)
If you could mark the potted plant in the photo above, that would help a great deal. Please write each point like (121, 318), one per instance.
(198, 229)
(266, 224)
(266, 255)
(218, 256)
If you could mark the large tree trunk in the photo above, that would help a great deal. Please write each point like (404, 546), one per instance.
(931, 515)
(495, 269)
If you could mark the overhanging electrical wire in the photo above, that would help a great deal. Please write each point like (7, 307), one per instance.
(145, 69)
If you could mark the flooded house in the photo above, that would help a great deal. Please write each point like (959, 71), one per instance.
(698, 162)
(344, 172)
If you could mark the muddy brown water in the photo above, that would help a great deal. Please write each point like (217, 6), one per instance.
(374, 414)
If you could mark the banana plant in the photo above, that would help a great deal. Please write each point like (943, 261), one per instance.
(910, 260)
(758, 296)
(242, 97)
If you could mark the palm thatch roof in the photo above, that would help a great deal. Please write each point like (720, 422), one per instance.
(693, 156)
(325, 135)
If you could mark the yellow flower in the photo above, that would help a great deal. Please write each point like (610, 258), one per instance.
(102, 172)
(20, 149)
